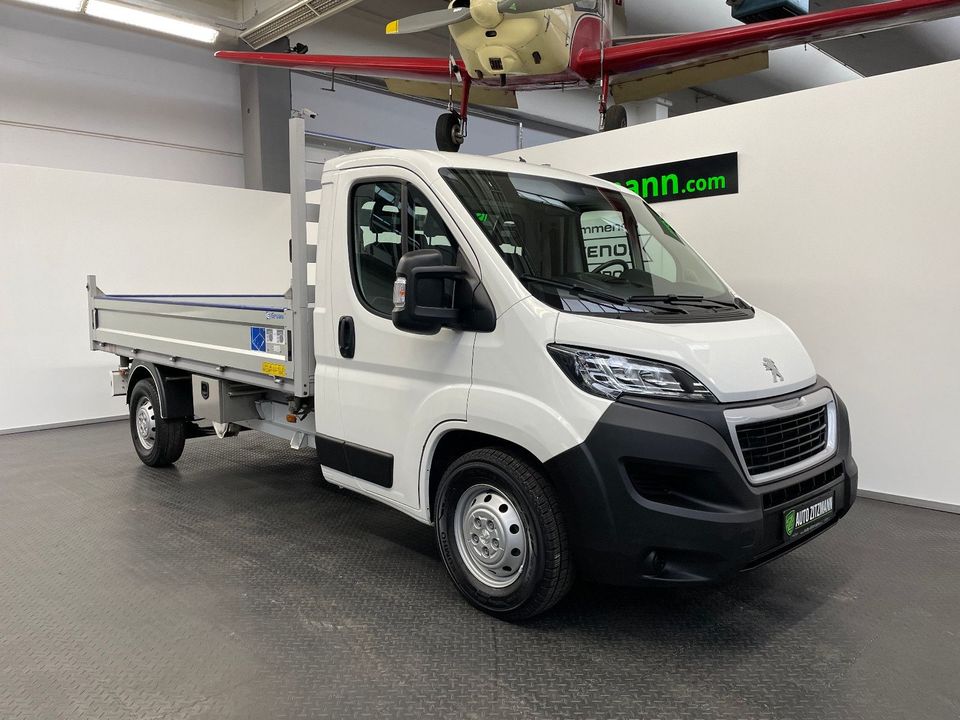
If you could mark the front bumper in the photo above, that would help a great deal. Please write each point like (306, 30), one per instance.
(656, 494)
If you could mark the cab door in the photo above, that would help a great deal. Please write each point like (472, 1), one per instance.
(394, 386)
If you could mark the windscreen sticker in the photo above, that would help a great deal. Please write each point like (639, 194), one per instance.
(605, 241)
(268, 340)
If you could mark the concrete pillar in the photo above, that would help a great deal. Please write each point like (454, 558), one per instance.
(644, 111)
(265, 101)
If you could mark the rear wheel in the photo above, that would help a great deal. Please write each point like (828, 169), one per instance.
(449, 132)
(501, 534)
(158, 442)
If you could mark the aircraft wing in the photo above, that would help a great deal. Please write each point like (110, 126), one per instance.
(400, 68)
(417, 76)
(716, 45)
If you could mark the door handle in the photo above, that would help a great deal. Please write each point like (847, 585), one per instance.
(346, 336)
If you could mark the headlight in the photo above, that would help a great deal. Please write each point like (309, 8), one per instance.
(611, 376)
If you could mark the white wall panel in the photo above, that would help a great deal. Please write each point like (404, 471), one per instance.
(845, 226)
(90, 96)
(138, 236)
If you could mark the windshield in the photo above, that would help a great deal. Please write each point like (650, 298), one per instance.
(582, 248)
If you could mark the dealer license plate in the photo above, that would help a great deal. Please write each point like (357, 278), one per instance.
(804, 519)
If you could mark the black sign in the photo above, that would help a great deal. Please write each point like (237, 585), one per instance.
(806, 518)
(701, 177)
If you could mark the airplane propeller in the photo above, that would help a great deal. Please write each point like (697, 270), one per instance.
(486, 13)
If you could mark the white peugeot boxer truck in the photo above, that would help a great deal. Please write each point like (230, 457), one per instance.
(532, 361)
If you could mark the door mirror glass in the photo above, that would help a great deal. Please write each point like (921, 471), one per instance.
(424, 291)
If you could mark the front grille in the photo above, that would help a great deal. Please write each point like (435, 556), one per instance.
(792, 492)
(784, 441)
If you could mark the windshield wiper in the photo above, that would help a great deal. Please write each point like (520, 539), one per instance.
(682, 300)
(580, 291)
(667, 298)
(573, 288)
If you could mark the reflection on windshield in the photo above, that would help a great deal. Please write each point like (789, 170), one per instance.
(585, 249)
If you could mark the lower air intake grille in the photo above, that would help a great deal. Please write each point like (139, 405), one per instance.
(784, 441)
(792, 492)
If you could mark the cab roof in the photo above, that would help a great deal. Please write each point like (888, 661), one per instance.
(429, 162)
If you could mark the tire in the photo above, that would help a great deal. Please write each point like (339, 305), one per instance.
(158, 442)
(520, 565)
(449, 132)
(615, 118)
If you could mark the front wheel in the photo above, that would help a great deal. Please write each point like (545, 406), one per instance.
(502, 535)
(158, 442)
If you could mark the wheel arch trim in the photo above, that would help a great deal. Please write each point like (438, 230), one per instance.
(475, 436)
(174, 402)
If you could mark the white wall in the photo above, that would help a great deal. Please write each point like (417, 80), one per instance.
(846, 227)
(91, 96)
(138, 236)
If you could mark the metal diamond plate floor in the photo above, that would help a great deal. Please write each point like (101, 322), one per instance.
(239, 585)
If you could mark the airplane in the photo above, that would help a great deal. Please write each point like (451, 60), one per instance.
(508, 46)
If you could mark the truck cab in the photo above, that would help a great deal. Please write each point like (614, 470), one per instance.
(532, 361)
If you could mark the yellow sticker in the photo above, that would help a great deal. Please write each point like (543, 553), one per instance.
(275, 369)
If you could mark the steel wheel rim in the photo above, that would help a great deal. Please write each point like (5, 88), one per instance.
(490, 536)
(146, 423)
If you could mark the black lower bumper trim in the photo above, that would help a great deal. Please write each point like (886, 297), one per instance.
(656, 495)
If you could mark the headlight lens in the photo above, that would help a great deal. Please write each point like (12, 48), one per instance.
(611, 376)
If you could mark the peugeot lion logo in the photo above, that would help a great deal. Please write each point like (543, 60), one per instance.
(770, 365)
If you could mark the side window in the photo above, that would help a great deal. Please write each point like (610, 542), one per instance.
(585, 5)
(429, 230)
(381, 233)
(377, 241)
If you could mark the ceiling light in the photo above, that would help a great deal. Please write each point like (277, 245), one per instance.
(284, 18)
(69, 5)
(151, 21)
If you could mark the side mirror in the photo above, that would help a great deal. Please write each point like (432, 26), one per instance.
(419, 292)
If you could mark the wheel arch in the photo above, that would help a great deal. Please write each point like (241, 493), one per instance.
(174, 388)
(452, 442)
